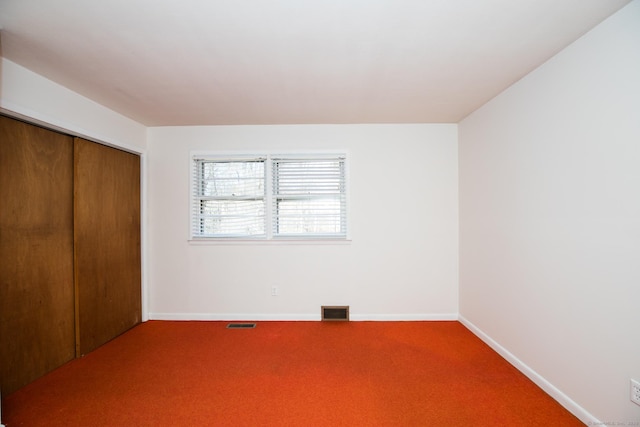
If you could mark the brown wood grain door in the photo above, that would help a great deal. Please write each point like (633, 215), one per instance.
(107, 243)
(36, 252)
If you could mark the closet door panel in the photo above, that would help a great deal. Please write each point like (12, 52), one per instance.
(107, 243)
(36, 252)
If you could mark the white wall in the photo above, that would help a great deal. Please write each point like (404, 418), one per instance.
(26, 94)
(550, 220)
(400, 264)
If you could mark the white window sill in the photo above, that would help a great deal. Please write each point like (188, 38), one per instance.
(268, 242)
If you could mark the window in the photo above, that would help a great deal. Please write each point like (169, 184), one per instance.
(269, 197)
(309, 197)
(229, 198)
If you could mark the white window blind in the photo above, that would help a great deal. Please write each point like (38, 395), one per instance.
(269, 197)
(309, 197)
(229, 198)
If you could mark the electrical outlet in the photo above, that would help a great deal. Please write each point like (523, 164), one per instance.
(274, 291)
(635, 392)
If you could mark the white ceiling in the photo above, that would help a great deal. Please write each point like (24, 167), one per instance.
(207, 62)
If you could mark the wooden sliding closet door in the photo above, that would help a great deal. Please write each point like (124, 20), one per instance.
(36, 252)
(107, 243)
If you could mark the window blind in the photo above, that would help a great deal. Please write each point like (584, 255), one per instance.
(229, 198)
(309, 197)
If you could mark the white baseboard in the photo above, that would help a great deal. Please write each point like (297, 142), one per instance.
(403, 317)
(299, 317)
(571, 406)
(232, 316)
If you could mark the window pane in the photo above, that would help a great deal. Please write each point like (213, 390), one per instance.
(309, 177)
(232, 178)
(309, 197)
(312, 216)
(231, 217)
(229, 198)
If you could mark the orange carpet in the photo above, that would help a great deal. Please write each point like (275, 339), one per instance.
(288, 374)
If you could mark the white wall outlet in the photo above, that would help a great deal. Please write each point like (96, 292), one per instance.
(635, 392)
(275, 291)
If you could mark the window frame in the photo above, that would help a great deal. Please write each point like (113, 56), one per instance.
(270, 214)
(197, 198)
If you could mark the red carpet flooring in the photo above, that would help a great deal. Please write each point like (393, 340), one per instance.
(288, 374)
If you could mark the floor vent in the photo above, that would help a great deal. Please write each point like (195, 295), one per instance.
(241, 325)
(335, 313)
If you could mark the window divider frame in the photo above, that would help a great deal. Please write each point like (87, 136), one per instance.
(268, 226)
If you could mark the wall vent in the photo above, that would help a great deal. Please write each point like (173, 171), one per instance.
(241, 325)
(335, 313)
